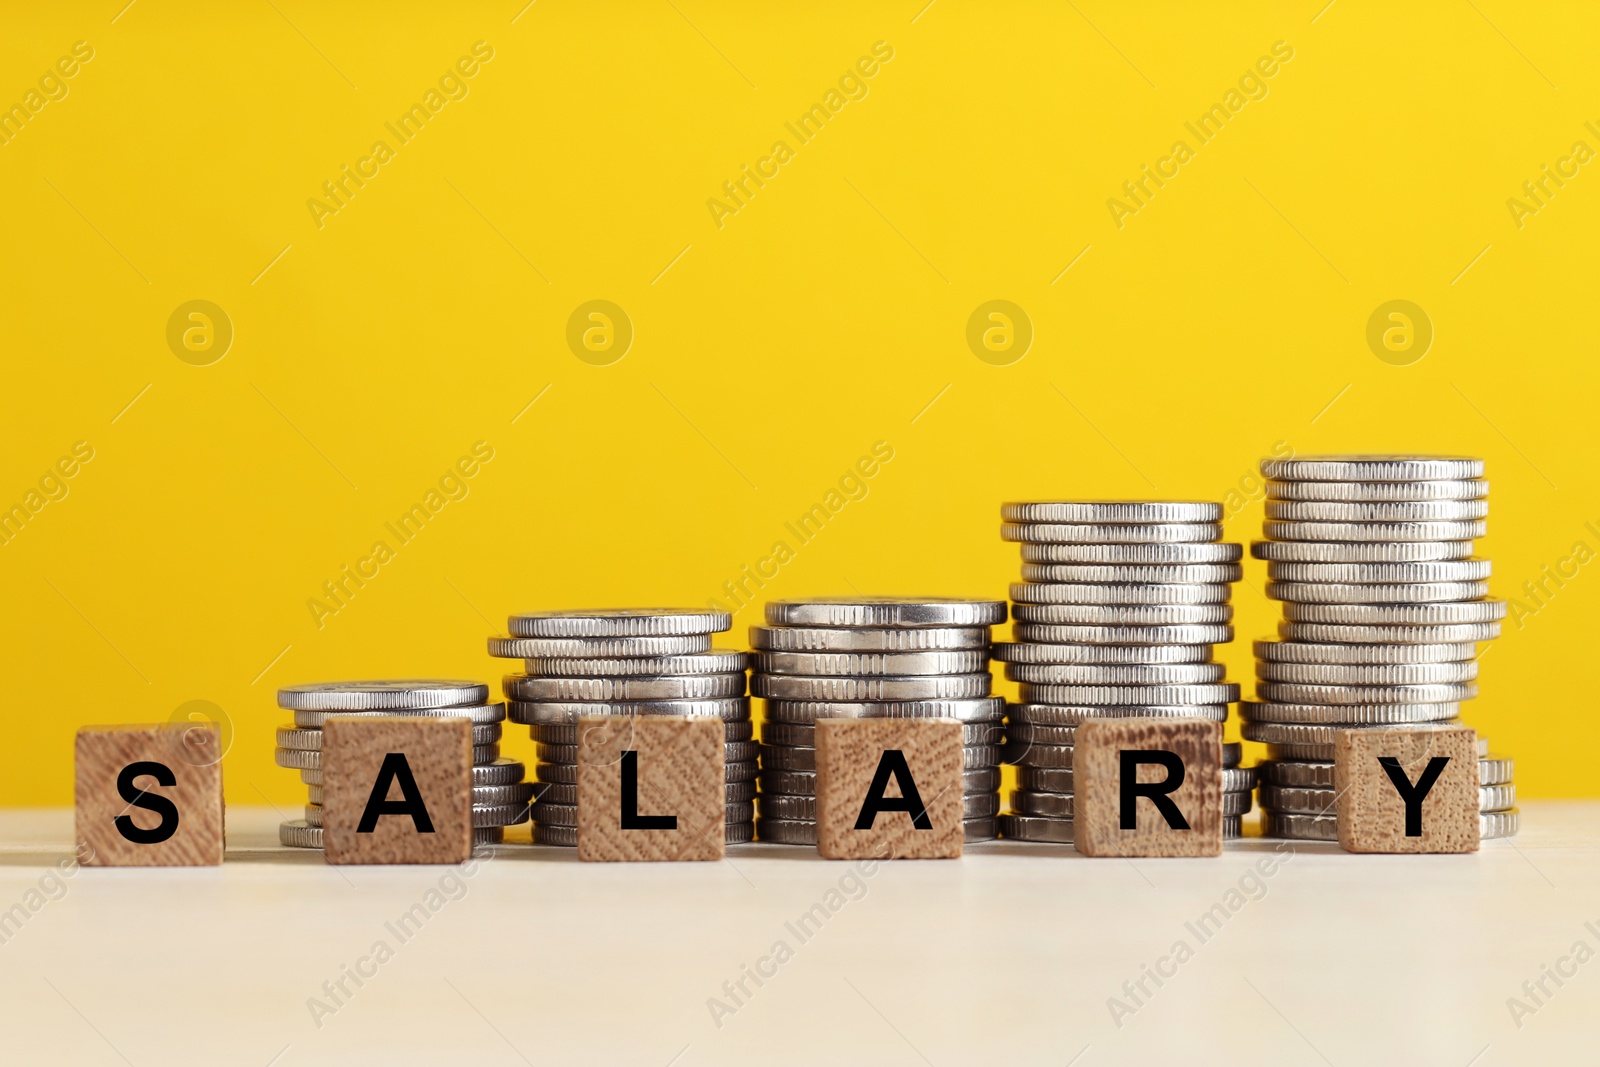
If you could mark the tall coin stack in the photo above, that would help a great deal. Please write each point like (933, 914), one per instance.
(624, 662)
(1119, 607)
(500, 797)
(1383, 603)
(873, 657)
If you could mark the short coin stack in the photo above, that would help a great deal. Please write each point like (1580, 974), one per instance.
(872, 657)
(1383, 603)
(624, 662)
(1120, 605)
(500, 797)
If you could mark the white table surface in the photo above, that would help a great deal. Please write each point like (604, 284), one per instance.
(1009, 955)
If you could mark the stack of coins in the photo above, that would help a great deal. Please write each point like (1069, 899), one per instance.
(872, 657)
(1117, 614)
(1383, 603)
(624, 662)
(500, 797)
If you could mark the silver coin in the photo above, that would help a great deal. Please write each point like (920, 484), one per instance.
(1083, 593)
(1107, 534)
(568, 733)
(475, 713)
(825, 639)
(1224, 693)
(1360, 552)
(1459, 489)
(1298, 753)
(1192, 636)
(1036, 828)
(1377, 511)
(962, 661)
(1341, 715)
(1339, 654)
(979, 709)
(1331, 633)
(805, 735)
(925, 687)
(1494, 770)
(1033, 649)
(1028, 733)
(788, 758)
(1113, 511)
(1374, 531)
(297, 833)
(303, 759)
(1375, 674)
(1073, 715)
(1161, 574)
(1350, 593)
(1050, 805)
(309, 739)
(382, 695)
(1113, 674)
(1177, 554)
(1463, 570)
(619, 622)
(1317, 735)
(598, 647)
(1239, 779)
(804, 782)
(1323, 801)
(1118, 615)
(659, 687)
(716, 661)
(1232, 753)
(885, 611)
(1045, 779)
(1037, 651)
(1397, 614)
(1300, 693)
(979, 757)
(1299, 774)
(1025, 755)
(786, 831)
(1372, 468)
(539, 713)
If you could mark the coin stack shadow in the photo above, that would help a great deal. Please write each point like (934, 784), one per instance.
(1119, 608)
(624, 662)
(500, 797)
(1383, 604)
(872, 657)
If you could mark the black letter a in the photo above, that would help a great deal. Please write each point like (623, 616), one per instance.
(1156, 792)
(893, 762)
(395, 769)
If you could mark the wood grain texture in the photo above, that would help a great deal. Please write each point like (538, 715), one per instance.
(849, 752)
(678, 764)
(1097, 773)
(439, 755)
(1371, 811)
(193, 756)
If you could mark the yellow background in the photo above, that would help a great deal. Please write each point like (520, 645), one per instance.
(1227, 315)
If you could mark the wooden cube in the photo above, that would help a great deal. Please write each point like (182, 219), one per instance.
(1148, 787)
(149, 795)
(889, 789)
(1407, 789)
(396, 790)
(651, 788)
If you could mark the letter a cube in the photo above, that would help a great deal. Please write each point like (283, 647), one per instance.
(651, 787)
(889, 789)
(149, 796)
(396, 790)
(1407, 789)
(1148, 787)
